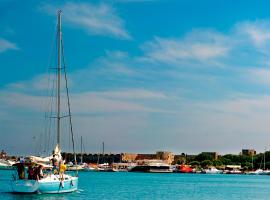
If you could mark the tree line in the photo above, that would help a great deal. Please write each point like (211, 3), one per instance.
(258, 161)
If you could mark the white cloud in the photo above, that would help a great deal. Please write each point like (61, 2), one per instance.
(259, 75)
(110, 102)
(97, 19)
(115, 62)
(245, 106)
(245, 40)
(15, 99)
(258, 32)
(5, 45)
(39, 83)
(133, 94)
(198, 45)
(89, 102)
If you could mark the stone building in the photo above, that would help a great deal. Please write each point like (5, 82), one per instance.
(213, 155)
(167, 157)
(248, 152)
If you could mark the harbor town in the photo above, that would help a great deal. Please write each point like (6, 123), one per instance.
(178, 90)
(246, 162)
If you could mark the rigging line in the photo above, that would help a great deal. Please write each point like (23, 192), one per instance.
(51, 113)
(68, 101)
(69, 139)
(56, 106)
(52, 97)
(48, 109)
(83, 148)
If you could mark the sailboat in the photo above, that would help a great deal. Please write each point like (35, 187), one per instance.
(85, 167)
(257, 171)
(52, 182)
(104, 167)
(265, 171)
(81, 166)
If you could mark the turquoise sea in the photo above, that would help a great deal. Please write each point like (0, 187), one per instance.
(127, 185)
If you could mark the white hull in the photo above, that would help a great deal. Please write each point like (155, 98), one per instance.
(266, 172)
(213, 171)
(49, 185)
(24, 186)
(257, 172)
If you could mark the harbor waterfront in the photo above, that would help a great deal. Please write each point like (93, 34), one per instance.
(246, 162)
(179, 91)
(155, 186)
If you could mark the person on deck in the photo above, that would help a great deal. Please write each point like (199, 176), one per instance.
(62, 169)
(40, 172)
(54, 161)
(31, 172)
(20, 170)
(54, 164)
(35, 176)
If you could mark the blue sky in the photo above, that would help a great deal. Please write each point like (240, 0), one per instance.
(145, 75)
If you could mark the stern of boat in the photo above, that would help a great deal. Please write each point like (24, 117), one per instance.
(24, 186)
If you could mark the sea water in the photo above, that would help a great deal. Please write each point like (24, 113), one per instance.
(128, 185)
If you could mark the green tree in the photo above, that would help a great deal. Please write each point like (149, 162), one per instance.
(217, 163)
(225, 161)
(206, 163)
(195, 163)
(247, 166)
(203, 156)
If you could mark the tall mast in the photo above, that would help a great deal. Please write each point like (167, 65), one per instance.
(81, 151)
(264, 159)
(103, 152)
(59, 35)
(103, 148)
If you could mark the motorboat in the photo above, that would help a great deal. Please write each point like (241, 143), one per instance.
(212, 170)
(152, 166)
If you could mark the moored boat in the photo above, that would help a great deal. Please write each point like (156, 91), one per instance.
(105, 167)
(233, 171)
(152, 166)
(184, 169)
(265, 172)
(256, 172)
(212, 170)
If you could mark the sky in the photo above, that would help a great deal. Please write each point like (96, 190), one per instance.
(144, 75)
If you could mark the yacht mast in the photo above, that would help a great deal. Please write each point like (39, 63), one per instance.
(103, 152)
(59, 35)
(81, 150)
(264, 159)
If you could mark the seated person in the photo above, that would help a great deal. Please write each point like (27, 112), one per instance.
(38, 172)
